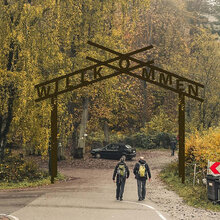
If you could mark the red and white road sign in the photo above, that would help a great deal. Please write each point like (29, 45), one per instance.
(213, 168)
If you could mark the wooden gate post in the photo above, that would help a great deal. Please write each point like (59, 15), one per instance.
(53, 138)
(182, 136)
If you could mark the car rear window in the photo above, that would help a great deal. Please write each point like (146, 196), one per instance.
(128, 146)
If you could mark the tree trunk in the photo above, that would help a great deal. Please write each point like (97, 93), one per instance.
(74, 140)
(83, 124)
(106, 132)
(145, 116)
(2, 148)
(6, 122)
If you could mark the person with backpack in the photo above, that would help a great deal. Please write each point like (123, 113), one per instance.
(121, 172)
(173, 146)
(141, 172)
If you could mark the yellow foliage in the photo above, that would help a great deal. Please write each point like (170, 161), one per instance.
(203, 147)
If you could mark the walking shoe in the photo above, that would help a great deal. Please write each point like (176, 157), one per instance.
(117, 198)
(121, 199)
(139, 199)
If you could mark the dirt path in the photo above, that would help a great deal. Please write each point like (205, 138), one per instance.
(167, 201)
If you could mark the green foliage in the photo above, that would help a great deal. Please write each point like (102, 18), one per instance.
(16, 169)
(27, 183)
(95, 140)
(137, 140)
(157, 140)
(160, 122)
(140, 140)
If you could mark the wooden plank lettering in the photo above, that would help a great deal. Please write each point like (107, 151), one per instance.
(43, 91)
(164, 79)
(97, 72)
(67, 82)
(180, 85)
(148, 74)
(83, 77)
(193, 90)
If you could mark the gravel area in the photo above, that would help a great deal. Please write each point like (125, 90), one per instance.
(168, 200)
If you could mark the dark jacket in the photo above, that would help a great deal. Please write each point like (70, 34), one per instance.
(136, 170)
(173, 144)
(116, 170)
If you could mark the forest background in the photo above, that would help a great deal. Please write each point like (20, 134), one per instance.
(41, 40)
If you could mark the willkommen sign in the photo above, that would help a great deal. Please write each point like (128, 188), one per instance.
(122, 63)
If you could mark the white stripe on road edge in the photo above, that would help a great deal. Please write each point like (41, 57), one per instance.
(162, 217)
(10, 216)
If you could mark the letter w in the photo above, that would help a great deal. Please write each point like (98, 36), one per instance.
(42, 91)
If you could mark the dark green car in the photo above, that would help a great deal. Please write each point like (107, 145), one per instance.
(114, 151)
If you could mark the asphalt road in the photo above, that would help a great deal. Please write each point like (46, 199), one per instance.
(91, 196)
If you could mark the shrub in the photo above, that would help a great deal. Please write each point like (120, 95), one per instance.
(137, 140)
(141, 140)
(201, 148)
(204, 146)
(163, 139)
(95, 140)
(160, 122)
(15, 169)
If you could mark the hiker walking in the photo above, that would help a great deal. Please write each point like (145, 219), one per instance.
(121, 172)
(141, 172)
(173, 146)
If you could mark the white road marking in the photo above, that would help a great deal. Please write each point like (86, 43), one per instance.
(11, 216)
(161, 216)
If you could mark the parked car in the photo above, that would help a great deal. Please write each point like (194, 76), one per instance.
(114, 151)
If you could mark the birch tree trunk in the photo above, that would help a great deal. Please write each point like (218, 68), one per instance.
(74, 142)
(83, 124)
(106, 132)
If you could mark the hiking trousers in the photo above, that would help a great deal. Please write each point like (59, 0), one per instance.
(120, 185)
(141, 185)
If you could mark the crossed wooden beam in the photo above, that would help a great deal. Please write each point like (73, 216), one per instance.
(152, 74)
(165, 79)
(50, 88)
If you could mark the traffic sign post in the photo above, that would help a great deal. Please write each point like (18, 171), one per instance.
(213, 168)
(182, 136)
(213, 181)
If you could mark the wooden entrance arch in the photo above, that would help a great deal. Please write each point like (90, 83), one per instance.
(126, 64)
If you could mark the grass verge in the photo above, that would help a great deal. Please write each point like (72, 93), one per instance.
(26, 183)
(194, 196)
